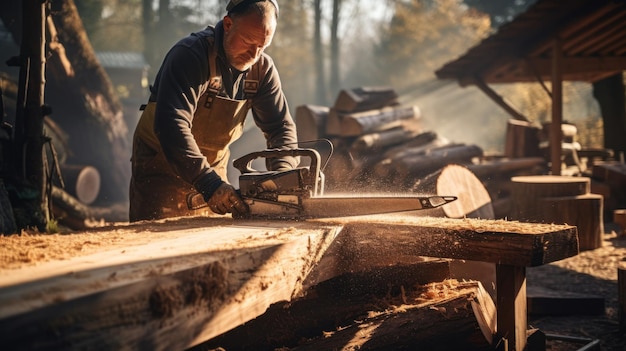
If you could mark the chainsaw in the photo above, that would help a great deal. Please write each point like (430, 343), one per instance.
(299, 193)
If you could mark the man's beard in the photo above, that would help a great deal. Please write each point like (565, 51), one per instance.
(241, 62)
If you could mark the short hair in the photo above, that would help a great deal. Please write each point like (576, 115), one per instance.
(244, 7)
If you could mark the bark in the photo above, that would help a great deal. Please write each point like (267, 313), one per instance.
(87, 108)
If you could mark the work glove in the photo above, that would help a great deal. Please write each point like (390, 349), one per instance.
(226, 200)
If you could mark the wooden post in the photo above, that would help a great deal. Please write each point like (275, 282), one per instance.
(29, 119)
(619, 217)
(621, 295)
(511, 306)
(557, 107)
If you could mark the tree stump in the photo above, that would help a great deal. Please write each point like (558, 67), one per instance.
(522, 139)
(583, 211)
(527, 190)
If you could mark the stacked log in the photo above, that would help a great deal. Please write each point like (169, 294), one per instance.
(379, 144)
(560, 199)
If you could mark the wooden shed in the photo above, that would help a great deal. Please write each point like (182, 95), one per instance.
(553, 41)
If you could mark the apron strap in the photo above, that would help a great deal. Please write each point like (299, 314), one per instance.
(215, 81)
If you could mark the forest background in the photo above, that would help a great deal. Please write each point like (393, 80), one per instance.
(323, 46)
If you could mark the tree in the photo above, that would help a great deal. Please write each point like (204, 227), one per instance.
(500, 11)
(82, 99)
(422, 35)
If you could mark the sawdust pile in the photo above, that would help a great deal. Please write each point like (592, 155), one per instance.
(31, 248)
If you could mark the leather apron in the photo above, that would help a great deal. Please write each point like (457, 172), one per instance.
(155, 190)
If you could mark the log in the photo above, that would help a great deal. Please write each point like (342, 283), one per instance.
(359, 123)
(418, 145)
(311, 122)
(527, 190)
(522, 139)
(82, 182)
(380, 140)
(186, 282)
(456, 180)
(583, 211)
(411, 168)
(491, 169)
(464, 321)
(365, 98)
(329, 305)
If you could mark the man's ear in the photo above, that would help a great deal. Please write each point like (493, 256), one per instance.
(227, 23)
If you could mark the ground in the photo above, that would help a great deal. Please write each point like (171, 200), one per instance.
(592, 272)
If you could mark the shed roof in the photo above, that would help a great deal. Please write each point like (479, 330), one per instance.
(592, 34)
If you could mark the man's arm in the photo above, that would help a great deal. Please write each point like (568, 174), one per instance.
(181, 81)
(272, 116)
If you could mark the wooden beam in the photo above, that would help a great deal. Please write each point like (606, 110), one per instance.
(498, 99)
(174, 291)
(577, 65)
(557, 107)
(497, 241)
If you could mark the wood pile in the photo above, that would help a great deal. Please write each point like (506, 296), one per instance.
(379, 144)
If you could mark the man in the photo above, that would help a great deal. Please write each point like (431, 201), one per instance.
(200, 98)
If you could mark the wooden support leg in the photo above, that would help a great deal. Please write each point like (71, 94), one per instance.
(511, 307)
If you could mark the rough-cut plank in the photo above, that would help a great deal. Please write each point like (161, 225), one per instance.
(170, 293)
(498, 241)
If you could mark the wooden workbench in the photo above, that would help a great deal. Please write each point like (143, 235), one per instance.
(174, 284)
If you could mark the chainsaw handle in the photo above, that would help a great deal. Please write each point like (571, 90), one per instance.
(244, 163)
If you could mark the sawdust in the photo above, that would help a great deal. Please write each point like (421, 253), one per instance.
(33, 248)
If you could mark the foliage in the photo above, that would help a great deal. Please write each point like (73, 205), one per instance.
(291, 51)
(422, 35)
(500, 11)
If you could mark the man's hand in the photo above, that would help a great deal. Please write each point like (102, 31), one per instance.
(225, 199)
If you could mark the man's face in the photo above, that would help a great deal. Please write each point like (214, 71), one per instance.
(245, 38)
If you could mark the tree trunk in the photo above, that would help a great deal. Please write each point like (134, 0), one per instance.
(335, 80)
(83, 100)
(318, 54)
